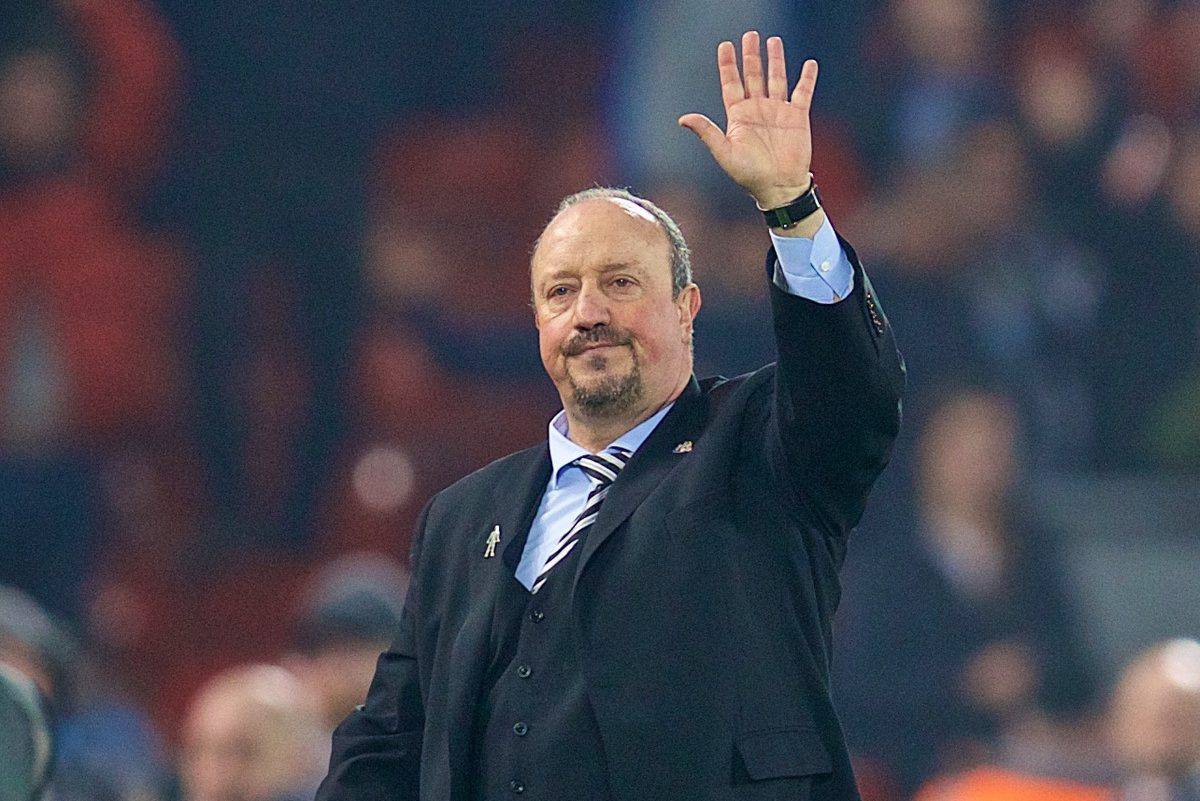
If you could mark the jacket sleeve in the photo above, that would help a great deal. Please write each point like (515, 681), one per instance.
(377, 748)
(836, 406)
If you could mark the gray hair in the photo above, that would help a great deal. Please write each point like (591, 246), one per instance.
(681, 255)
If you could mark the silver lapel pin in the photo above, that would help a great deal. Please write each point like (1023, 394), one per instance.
(684, 447)
(492, 541)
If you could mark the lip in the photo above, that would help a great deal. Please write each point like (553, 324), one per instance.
(590, 348)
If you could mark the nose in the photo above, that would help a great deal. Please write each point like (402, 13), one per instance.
(591, 307)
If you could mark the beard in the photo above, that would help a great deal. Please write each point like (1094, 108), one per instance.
(611, 395)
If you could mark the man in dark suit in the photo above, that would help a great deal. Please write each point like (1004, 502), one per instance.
(639, 608)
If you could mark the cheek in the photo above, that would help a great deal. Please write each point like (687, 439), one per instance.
(655, 342)
(551, 336)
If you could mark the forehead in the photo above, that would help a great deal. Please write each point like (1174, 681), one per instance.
(598, 233)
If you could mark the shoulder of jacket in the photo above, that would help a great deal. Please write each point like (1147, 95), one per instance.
(718, 390)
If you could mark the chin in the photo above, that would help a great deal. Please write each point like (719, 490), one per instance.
(593, 376)
(607, 395)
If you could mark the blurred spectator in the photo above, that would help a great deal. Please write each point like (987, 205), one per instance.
(981, 286)
(1116, 28)
(1183, 186)
(665, 70)
(1069, 120)
(253, 734)
(106, 748)
(1174, 434)
(34, 643)
(1147, 359)
(285, 104)
(944, 47)
(26, 746)
(974, 646)
(348, 618)
(1163, 58)
(1032, 296)
(1156, 724)
(86, 299)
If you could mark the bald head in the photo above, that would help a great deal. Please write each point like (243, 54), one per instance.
(1156, 711)
(252, 734)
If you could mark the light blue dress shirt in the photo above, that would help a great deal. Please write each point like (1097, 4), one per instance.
(817, 269)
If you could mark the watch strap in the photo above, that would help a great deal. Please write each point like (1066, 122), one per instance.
(789, 216)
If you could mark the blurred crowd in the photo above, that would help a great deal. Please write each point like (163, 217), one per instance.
(260, 731)
(263, 290)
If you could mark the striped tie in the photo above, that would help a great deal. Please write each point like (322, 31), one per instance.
(602, 469)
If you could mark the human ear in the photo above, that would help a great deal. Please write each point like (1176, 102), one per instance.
(689, 306)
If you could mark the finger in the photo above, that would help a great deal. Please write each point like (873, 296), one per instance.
(752, 64)
(732, 90)
(802, 95)
(776, 70)
(709, 132)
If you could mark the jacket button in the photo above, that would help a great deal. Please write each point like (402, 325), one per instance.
(516, 787)
(523, 671)
(521, 729)
(536, 615)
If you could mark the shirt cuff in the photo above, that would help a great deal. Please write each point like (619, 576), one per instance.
(817, 269)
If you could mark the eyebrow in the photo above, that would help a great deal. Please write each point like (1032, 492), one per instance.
(610, 267)
(619, 265)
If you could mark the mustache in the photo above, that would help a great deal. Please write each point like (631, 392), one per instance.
(600, 335)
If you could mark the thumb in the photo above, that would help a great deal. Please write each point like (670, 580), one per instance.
(708, 131)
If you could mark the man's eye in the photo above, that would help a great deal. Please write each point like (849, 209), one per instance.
(559, 291)
(622, 282)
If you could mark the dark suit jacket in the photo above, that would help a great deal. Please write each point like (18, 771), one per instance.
(702, 597)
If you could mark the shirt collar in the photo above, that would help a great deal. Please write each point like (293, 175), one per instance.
(563, 451)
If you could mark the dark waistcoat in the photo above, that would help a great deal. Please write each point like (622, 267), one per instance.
(535, 733)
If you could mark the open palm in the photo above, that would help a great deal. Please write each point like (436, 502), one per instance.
(767, 145)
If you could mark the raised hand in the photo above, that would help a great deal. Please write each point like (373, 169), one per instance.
(767, 145)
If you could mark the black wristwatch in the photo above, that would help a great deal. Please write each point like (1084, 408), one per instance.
(789, 216)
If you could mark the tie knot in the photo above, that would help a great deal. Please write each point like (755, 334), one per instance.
(602, 468)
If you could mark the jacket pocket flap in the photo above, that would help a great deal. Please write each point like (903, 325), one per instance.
(778, 753)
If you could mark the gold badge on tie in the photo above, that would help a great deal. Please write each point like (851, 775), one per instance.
(684, 447)
(492, 541)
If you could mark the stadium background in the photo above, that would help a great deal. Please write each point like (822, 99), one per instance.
(263, 290)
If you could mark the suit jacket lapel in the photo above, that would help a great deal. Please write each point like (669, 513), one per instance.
(517, 497)
(646, 469)
(517, 502)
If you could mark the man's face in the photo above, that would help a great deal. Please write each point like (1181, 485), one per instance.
(338, 676)
(1155, 714)
(612, 338)
(224, 752)
(37, 106)
(236, 747)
